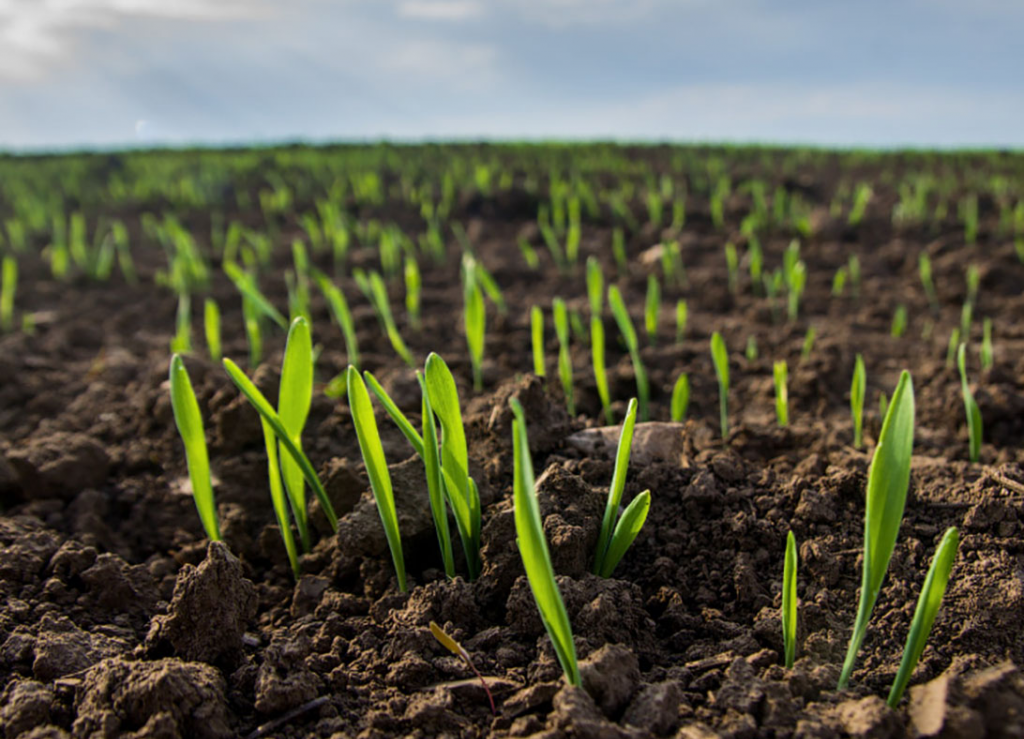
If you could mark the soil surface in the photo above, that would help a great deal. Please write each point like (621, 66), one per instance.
(119, 620)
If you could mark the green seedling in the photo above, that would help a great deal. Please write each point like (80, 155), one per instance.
(253, 332)
(561, 318)
(861, 198)
(457, 649)
(720, 358)
(342, 315)
(182, 341)
(899, 322)
(970, 406)
(426, 446)
(619, 250)
(858, 389)
(672, 264)
(462, 493)
(533, 549)
(576, 324)
(681, 316)
(246, 285)
(379, 297)
(780, 373)
(951, 347)
(751, 351)
(966, 318)
(537, 340)
(529, 253)
(190, 426)
(595, 295)
(839, 282)
(888, 481)
(8, 287)
(924, 268)
(969, 214)
(615, 538)
(680, 397)
(413, 291)
(632, 345)
(376, 468)
(279, 499)
(883, 404)
(262, 406)
(732, 263)
(973, 278)
(211, 325)
(294, 399)
(797, 283)
(924, 614)
(853, 267)
(789, 602)
(475, 319)
(986, 345)
(808, 345)
(651, 305)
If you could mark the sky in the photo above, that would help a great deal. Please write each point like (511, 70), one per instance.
(110, 73)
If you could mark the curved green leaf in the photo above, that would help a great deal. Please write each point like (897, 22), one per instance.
(376, 468)
(533, 548)
(924, 615)
(190, 426)
(626, 531)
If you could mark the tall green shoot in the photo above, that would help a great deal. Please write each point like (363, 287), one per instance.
(970, 406)
(615, 538)
(632, 345)
(537, 340)
(561, 318)
(858, 388)
(720, 358)
(293, 403)
(595, 294)
(780, 375)
(413, 291)
(681, 316)
(189, 421)
(924, 614)
(789, 602)
(376, 468)
(680, 397)
(211, 326)
(262, 406)
(924, 265)
(888, 481)
(462, 493)
(533, 549)
(987, 359)
(8, 287)
(651, 306)
(342, 315)
(475, 319)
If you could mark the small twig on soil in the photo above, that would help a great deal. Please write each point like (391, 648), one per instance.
(292, 714)
(455, 648)
(1007, 482)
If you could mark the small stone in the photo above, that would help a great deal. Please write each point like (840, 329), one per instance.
(611, 675)
(656, 708)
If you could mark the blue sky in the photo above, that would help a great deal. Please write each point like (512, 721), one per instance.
(112, 72)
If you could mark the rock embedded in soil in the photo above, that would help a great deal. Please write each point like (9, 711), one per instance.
(653, 441)
(611, 675)
(209, 611)
(655, 708)
(59, 465)
(24, 704)
(167, 695)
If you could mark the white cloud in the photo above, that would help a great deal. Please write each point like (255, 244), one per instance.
(36, 34)
(441, 10)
